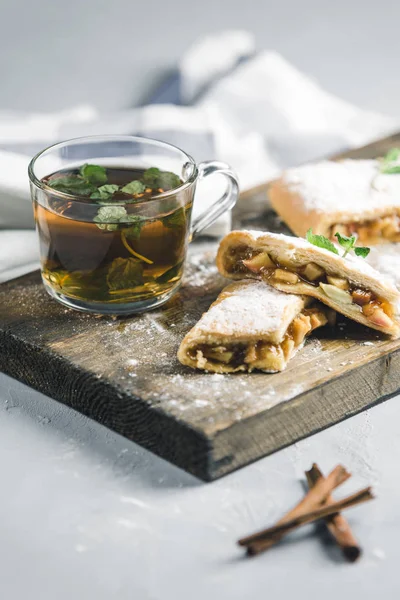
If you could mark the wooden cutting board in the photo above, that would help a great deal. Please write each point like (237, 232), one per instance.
(124, 373)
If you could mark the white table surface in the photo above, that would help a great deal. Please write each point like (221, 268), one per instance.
(86, 514)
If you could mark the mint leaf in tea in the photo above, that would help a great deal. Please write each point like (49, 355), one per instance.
(111, 240)
(124, 273)
(93, 179)
(157, 179)
(108, 217)
(93, 174)
(134, 188)
(104, 192)
(69, 184)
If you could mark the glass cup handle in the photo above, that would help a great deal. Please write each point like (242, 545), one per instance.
(227, 200)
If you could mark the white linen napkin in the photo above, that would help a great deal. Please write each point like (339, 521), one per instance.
(254, 111)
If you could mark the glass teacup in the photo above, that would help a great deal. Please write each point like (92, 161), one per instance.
(113, 214)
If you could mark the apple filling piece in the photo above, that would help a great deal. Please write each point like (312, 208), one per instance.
(336, 288)
(264, 356)
(384, 229)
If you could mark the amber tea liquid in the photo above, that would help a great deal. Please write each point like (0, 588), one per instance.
(119, 262)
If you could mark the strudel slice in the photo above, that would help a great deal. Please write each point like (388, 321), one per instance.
(348, 196)
(348, 285)
(250, 326)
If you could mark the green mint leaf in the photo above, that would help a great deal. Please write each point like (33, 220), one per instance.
(392, 155)
(169, 274)
(134, 187)
(346, 242)
(165, 180)
(71, 184)
(104, 192)
(175, 219)
(168, 181)
(124, 273)
(108, 217)
(321, 241)
(390, 162)
(362, 251)
(135, 227)
(150, 177)
(390, 170)
(93, 282)
(93, 174)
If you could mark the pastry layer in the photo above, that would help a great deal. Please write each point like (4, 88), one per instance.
(250, 326)
(349, 286)
(349, 196)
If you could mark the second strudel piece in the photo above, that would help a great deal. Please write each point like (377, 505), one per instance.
(348, 196)
(251, 326)
(348, 285)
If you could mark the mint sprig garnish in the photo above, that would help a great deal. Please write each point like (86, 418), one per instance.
(362, 251)
(390, 163)
(347, 243)
(321, 241)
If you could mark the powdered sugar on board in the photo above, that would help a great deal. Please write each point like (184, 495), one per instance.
(201, 270)
(143, 351)
(251, 308)
(350, 186)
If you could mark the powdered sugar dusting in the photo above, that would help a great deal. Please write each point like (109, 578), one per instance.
(385, 258)
(201, 269)
(251, 307)
(348, 185)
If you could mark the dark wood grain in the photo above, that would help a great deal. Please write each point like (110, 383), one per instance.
(124, 373)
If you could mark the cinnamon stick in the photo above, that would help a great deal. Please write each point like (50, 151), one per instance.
(337, 524)
(313, 499)
(261, 541)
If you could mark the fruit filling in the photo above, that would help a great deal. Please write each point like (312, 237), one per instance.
(384, 229)
(262, 355)
(244, 260)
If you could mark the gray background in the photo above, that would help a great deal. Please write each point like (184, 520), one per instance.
(56, 53)
(86, 514)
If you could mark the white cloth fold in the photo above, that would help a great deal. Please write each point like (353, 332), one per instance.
(254, 111)
(18, 253)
